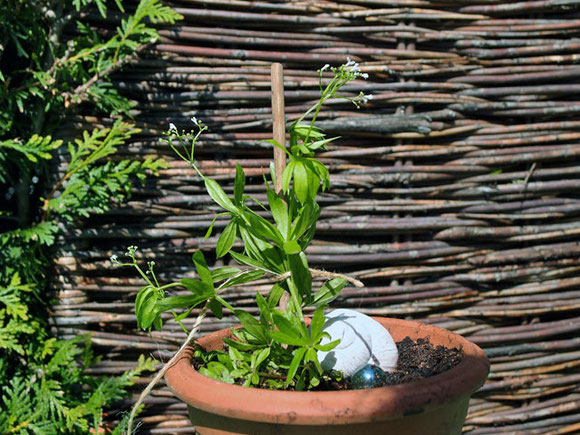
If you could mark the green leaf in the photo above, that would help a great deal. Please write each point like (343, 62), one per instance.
(287, 332)
(262, 251)
(296, 298)
(292, 247)
(329, 291)
(243, 259)
(328, 346)
(258, 357)
(219, 196)
(216, 308)
(276, 144)
(184, 314)
(275, 294)
(201, 268)
(321, 143)
(265, 311)
(296, 361)
(312, 356)
(313, 179)
(227, 239)
(322, 172)
(306, 219)
(239, 345)
(145, 307)
(280, 337)
(239, 183)
(300, 274)
(300, 150)
(225, 272)
(198, 287)
(210, 229)
(305, 130)
(279, 212)
(316, 325)
(243, 278)
(224, 303)
(252, 326)
(177, 302)
(263, 229)
(287, 176)
(301, 182)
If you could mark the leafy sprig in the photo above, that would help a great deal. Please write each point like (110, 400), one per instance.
(91, 179)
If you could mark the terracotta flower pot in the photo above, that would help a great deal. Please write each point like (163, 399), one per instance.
(436, 405)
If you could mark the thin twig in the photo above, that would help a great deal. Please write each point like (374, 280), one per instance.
(162, 372)
(325, 274)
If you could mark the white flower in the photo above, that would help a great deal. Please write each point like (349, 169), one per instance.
(172, 127)
(352, 66)
(366, 98)
(324, 68)
(194, 120)
(364, 76)
(114, 259)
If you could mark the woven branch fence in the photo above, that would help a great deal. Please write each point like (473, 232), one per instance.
(455, 193)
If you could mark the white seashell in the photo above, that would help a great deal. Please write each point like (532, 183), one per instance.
(362, 341)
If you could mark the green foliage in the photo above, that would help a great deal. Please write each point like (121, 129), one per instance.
(43, 387)
(278, 349)
(23, 156)
(50, 403)
(89, 184)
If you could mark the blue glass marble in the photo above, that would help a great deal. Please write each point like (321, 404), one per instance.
(369, 376)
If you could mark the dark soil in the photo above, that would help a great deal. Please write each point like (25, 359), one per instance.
(420, 359)
(417, 360)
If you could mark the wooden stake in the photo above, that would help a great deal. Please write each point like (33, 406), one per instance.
(279, 132)
(279, 122)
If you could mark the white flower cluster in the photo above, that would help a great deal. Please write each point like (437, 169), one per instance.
(354, 68)
(173, 128)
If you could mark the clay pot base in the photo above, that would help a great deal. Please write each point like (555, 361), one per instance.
(442, 421)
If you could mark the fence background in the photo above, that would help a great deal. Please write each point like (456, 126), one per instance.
(455, 191)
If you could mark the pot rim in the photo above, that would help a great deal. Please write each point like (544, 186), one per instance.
(334, 407)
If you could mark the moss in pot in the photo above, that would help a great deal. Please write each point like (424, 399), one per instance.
(282, 349)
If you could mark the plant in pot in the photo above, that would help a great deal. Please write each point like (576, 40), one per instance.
(280, 372)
